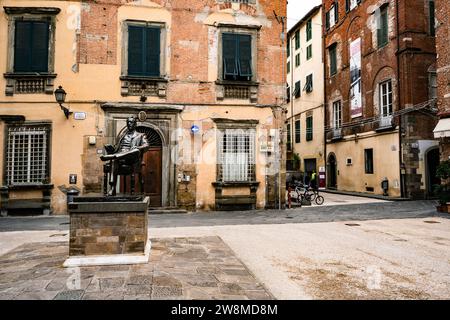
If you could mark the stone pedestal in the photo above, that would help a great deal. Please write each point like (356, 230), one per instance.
(108, 231)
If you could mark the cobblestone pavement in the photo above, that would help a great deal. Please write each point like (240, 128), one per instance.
(345, 209)
(179, 268)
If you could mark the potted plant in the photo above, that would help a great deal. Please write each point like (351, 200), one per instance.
(442, 191)
(296, 160)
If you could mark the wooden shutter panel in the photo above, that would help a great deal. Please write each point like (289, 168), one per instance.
(135, 51)
(229, 48)
(22, 46)
(152, 48)
(336, 10)
(245, 55)
(39, 46)
(327, 20)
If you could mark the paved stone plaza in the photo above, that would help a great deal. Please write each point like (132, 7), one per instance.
(353, 249)
(179, 268)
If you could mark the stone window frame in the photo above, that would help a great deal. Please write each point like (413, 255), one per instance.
(47, 125)
(14, 14)
(221, 84)
(151, 86)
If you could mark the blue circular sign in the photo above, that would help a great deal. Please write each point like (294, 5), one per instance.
(195, 129)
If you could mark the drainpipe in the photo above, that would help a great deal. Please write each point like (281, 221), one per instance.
(397, 18)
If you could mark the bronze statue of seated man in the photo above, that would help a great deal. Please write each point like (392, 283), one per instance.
(126, 157)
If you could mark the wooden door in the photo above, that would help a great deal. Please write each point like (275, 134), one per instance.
(152, 174)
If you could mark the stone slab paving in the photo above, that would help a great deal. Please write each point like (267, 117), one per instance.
(179, 268)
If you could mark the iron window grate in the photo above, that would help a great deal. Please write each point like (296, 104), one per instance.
(236, 155)
(27, 155)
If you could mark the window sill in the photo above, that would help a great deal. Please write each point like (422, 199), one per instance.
(28, 187)
(243, 90)
(236, 184)
(29, 83)
(142, 85)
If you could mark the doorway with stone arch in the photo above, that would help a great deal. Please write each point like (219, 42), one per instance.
(332, 171)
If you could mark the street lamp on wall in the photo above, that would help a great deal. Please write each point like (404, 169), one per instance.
(60, 95)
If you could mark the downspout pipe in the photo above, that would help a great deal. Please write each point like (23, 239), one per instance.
(399, 95)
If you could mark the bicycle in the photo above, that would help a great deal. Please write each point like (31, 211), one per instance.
(309, 194)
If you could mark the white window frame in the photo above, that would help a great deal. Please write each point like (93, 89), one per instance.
(386, 105)
(337, 114)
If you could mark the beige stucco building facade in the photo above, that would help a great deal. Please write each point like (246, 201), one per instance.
(214, 125)
(305, 108)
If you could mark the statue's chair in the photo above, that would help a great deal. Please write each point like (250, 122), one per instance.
(118, 167)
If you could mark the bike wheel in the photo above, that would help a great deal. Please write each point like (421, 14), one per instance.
(312, 195)
(319, 200)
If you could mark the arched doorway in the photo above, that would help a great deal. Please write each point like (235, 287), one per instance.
(432, 162)
(332, 171)
(151, 168)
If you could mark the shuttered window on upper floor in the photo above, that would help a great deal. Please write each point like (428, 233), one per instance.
(31, 46)
(237, 56)
(144, 48)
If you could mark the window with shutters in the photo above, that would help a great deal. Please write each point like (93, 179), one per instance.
(143, 65)
(297, 91)
(297, 59)
(297, 40)
(237, 57)
(309, 52)
(309, 30)
(383, 28)
(309, 84)
(332, 16)
(30, 56)
(289, 137)
(351, 4)
(309, 128)
(288, 94)
(297, 132)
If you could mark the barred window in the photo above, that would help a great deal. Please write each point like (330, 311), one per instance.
(27, 154)
(236, 155)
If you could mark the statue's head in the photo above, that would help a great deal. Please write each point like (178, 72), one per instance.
(131, 123)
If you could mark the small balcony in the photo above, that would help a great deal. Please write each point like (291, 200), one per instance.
(385, 123)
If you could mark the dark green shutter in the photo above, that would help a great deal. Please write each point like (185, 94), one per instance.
(245, 55)
(229, 45)
(152, 50)
(144, 51)
(22, 46)
(432, 19)
(309, 128)
(135, 51)
(327, 20)
(39, 57)
(31, 46)
(382, 32)
(297, 132)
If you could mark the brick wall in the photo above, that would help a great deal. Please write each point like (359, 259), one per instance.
(443, 66)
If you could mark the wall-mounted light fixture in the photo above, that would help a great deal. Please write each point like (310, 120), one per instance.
(60, 96)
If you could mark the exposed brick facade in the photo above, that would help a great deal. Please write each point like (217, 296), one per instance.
(443, 67)
(406, 60)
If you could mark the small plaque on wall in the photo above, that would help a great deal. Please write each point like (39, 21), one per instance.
(79, 115)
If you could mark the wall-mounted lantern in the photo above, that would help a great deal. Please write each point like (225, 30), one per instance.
(60, 96)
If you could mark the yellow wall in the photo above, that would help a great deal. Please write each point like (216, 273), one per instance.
(308, 102)
(386, 163)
